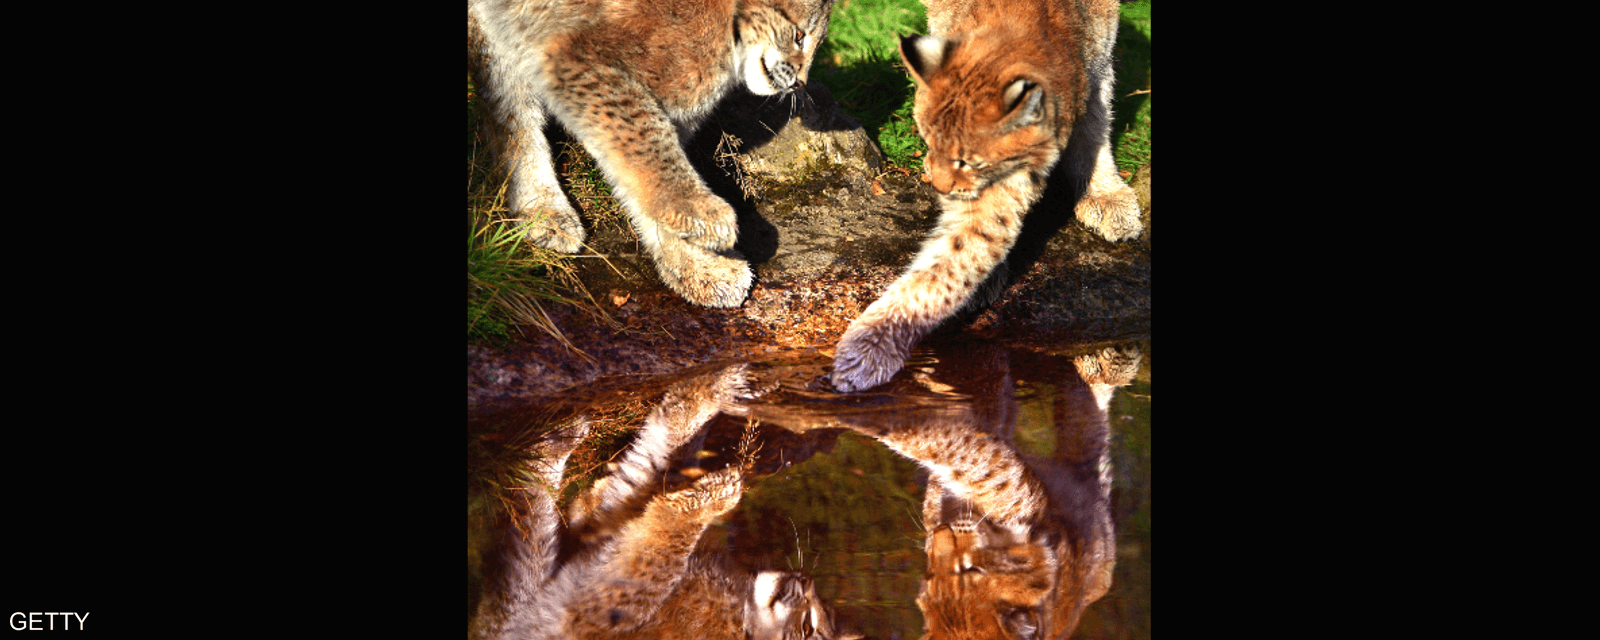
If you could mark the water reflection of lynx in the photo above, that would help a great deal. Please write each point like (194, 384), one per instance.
(626, 565)
(1017, 546)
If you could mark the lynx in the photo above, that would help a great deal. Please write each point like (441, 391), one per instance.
(1005, 89)
(634, 572)
(632, 80)
(1017, 547)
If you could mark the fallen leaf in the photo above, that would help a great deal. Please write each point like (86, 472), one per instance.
(877, 189)
(1124, 173)
(619, 297)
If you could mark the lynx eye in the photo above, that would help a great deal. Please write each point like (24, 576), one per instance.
(799, 39)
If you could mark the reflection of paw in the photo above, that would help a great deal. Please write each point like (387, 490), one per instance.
(734, 389)
(1111, 209)
(715, 494)
(559, 442)
(547, 457)
(705, 278)
(866, 357)
(1115, 366)
(556, 227)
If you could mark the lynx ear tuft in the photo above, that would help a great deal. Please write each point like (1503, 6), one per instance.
(924, 55)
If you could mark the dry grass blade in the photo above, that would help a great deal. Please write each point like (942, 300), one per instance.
(748, 448)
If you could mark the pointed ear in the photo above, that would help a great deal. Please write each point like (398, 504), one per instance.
(924, 55)
(1022, 99)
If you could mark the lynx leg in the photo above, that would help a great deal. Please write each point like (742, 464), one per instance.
(683, 413)
(972, 237)
(1109, 205)
(515, 123)
(534, 192)
(528, 549)
(637, 147)
(652, 555)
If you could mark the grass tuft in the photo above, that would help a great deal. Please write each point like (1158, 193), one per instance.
(860, 64)
(507, 276)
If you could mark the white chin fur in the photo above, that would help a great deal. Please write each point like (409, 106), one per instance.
(755, 75)
(766, 584)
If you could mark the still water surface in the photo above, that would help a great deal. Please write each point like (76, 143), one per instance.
(833, 490)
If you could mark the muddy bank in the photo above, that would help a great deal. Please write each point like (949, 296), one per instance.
(827, 228)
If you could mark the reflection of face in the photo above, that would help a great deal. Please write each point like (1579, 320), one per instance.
(785, 605)
(980, 590)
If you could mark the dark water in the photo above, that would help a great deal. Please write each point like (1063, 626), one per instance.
(827, 496)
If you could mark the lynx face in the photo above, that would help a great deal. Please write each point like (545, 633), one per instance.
(785, 606)
(777, 43)
(1006, 89)
(985, 111)
(979, 585)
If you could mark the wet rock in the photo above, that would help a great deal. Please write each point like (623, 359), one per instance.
(827, 228)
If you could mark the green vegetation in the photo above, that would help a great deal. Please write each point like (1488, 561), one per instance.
(860, 64)
(506, 276)
(1130, 128)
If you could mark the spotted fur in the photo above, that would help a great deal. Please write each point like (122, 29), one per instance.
(632, 570)
(1017, 546)
(1006, 90)
(632, 80)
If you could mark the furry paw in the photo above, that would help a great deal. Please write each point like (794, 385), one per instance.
(555, 227)
(867, 357)
(713, 495)
(1115, 366)
(705, 278)
(708, 223)
(1111, 209)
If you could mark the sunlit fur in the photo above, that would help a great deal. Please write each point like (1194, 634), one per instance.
(1006, 90)
(632, 570)
(1018, 546)
(632, 80)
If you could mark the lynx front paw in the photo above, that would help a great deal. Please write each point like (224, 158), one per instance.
(708, 223)
(702, 277)
(555, 227)
(1111, 210)
(867, 357)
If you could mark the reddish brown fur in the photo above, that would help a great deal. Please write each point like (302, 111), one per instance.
(1006, 89)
